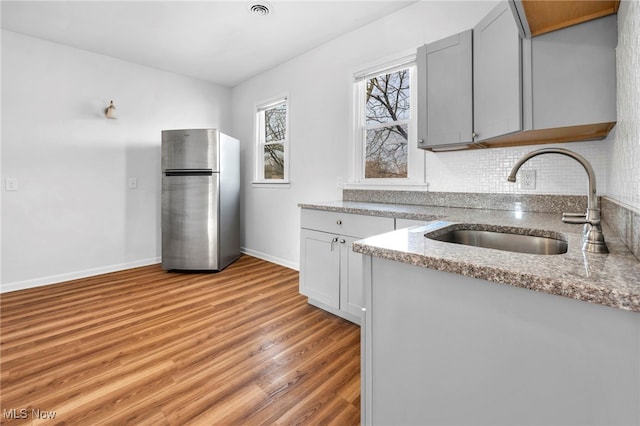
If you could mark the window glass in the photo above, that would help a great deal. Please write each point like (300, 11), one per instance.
(387, 113)
(272, 142)
(274, 161)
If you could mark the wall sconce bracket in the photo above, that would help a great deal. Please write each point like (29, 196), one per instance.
(110, 111)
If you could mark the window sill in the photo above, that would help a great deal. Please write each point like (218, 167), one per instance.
(265, 184)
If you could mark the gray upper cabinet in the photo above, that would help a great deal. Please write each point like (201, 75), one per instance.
(559, 86)
(573, 75)
(447, 70)
(470, 84)
(497, 80)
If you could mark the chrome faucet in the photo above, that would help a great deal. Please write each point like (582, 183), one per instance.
(592, 238)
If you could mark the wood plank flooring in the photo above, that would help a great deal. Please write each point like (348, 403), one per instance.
(144, 346)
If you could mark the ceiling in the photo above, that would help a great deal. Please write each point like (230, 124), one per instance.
(217, 41)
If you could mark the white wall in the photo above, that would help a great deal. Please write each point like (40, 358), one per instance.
(73, 214)
(624, 150)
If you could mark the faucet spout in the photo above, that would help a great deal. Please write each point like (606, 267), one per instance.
(593, 238)
(592, 200)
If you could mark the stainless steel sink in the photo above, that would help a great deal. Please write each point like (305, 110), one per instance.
(518, 240)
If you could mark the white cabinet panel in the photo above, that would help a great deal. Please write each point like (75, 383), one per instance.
(351, 273)
(441, 348)
(320, 268)
(330, 272)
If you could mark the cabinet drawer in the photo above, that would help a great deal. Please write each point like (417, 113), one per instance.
(354, 225)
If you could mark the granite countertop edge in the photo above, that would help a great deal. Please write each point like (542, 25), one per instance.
(405, 211)
(557, 286)
(612, 293)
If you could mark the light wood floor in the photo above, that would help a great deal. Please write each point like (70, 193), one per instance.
(145, 346)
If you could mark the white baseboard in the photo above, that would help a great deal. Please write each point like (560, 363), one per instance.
(269, 258)
(55, 279)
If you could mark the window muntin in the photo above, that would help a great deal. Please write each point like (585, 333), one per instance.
(272, 142)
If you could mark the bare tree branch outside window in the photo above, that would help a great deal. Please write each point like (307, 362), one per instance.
(387, 115)
(275, 128)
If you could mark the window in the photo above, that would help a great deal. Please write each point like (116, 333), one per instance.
(272, 148)
(386, 150)
(387, 113)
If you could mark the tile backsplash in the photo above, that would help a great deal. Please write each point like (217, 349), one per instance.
(625, 221)
(486, 170)
(529, 203)
(624, 151)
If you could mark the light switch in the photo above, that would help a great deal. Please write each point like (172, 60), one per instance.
(133, 183)
(11, 184)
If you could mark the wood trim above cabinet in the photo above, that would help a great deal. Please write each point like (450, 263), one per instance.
(543, 16)
(584, 132)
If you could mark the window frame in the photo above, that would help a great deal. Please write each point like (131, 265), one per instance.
(415, 157)
(260, 142)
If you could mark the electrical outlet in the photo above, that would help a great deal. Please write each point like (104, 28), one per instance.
(528, 179)
(11, 184)
(133, 183)
(340, 182)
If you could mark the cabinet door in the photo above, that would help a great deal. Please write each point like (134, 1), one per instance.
(574, 75)
(351, 278)
(320, 267)
(445, 69)
(497, 76)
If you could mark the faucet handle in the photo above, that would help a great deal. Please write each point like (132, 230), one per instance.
(576, 218)
(573, 215)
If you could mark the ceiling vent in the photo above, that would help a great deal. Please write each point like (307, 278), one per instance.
(260, 8)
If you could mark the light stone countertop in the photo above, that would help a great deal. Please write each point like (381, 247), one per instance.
(611, 279)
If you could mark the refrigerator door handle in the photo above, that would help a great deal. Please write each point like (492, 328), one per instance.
(188, 172)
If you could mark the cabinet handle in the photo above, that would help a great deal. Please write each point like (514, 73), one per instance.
(474, 135)
(335, 240)
(343, 241)
(339, 222)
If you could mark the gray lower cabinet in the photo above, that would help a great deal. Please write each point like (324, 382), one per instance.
(330, 271)
(470, 84)
(441, 348)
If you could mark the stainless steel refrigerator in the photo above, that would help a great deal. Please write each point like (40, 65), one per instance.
(200, 200)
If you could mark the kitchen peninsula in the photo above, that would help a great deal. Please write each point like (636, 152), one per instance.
(455, 334)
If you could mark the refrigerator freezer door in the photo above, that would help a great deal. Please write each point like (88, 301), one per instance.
(190, 149)
(190, 222)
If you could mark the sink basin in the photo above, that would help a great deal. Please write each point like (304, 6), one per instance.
(518, 240)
